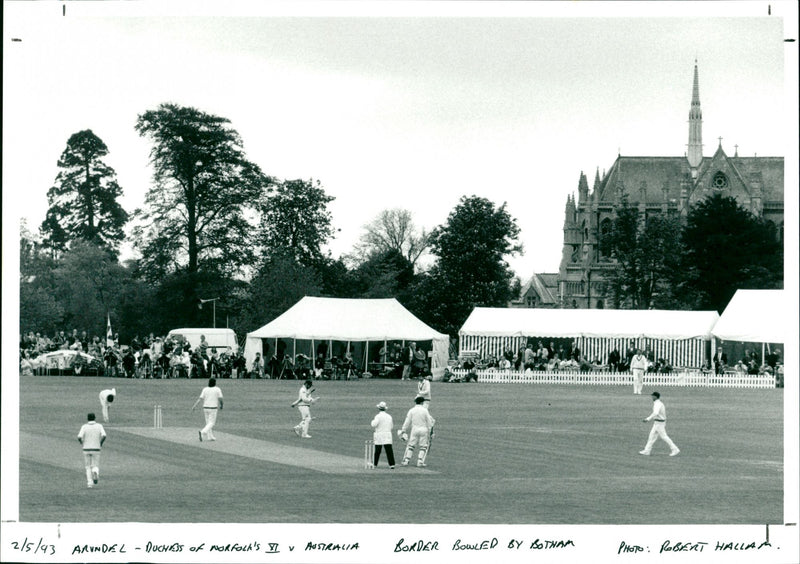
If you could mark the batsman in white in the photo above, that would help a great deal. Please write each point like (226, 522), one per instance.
(659, 419)
(91, 437)
(211, 396)
(303, 403)
(106, 397)
(417, 429)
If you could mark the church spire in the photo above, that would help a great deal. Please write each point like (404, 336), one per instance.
(695, 147)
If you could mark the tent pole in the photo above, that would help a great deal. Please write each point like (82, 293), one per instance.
(366, 357)
(313, 357)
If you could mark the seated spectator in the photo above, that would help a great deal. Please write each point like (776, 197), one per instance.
(568, 365)
(146, 364)
(597, 365)
(663, 367)
(257, 368)
(740, 368)
(240, 365)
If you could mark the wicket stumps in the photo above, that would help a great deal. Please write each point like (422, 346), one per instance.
(158, 423)
(369, 453)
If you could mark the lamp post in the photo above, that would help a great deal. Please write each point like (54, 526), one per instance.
(214, 303)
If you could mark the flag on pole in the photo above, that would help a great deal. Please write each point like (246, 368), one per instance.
(109, 334)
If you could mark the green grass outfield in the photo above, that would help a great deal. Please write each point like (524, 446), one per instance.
(503, 453)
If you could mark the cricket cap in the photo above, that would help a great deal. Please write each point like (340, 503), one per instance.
(656, 395)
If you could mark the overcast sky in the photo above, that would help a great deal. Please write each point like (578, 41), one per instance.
(412, 106)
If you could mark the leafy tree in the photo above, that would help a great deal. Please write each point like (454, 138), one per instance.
(385, 275)
(279, 284)
(83, 201)
(727, 248)
(202, 184)
(394, 230)
(471, 269)
(647, 254)
(295, 221)
(38, 308)
(336, 280)
(176, 301)
(90, 281)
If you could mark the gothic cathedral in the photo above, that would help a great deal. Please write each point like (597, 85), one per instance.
(657, 185)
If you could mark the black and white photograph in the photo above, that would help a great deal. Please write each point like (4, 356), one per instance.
(400, 282)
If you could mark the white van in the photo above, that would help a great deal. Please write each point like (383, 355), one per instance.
(217, 339)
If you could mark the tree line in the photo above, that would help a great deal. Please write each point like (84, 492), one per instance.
(215, 226)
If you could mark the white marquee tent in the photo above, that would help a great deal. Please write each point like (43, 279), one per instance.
(349, 320)
(678, 336)
(755, 316)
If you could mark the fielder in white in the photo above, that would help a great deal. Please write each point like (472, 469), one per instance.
(424, 390)
(91, 437)
(659, 419)
(303, 403)
(211, 396)
(417, 429)
(106, 397)
(638, 366)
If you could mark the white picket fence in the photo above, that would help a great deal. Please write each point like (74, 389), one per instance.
(694, 378)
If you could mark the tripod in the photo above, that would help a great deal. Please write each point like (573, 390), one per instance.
(286, 368)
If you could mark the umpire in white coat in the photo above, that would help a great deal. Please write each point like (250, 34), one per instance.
(382, 426)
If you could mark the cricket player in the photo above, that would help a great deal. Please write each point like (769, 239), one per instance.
(638, 366)
(106, 397)
(424, 390)
(417, 429)
(303, 403)
(91, 437)
(211, 396)
(659, 419)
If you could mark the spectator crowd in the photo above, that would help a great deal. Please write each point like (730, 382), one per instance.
(149, 357)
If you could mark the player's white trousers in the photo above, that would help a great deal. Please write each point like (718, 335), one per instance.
(659, 430)
(105, 410)
(210, 414)
(91, 460)
(418, 437)
(638, 381)
(305, 413)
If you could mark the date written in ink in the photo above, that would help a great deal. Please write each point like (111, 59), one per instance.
(34, 546)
